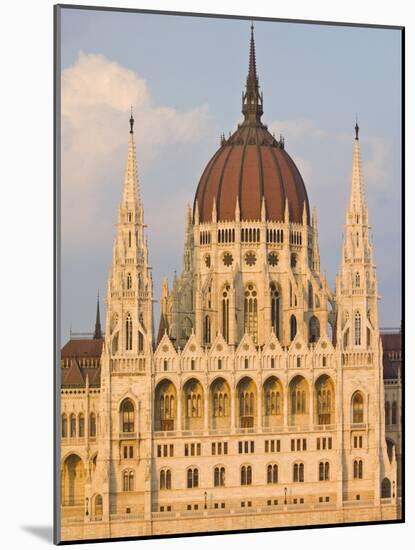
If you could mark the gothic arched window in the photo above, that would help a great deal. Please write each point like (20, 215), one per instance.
(219, 476)
(357, 408)
(293, 327)
(64, 426)
(298, 472)
(206, 330)
(127, 416)
(128, 332)
(246, 475)
(192, 478)
(272, 473)
(81, 425)
(251, 312)
(310, 296)
(313, 329)
(72, 425)
(357, 329)
(92, 425)
(357, 280)
(225, 313)
(128, 480)
(275, 310)
(324, 471)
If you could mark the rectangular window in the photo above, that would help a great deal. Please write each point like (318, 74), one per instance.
(246, 446)
(318, 444)
(161, 508)
(131, 452)
(275, 502)
(225, 448)
(304, 444)
(329, 442)
(164, 450)
(293, 444)
(192, 364)
(219, 364)
(324, 443)
(186, 450)
(222, 505)
(266, 446)
(192, 449)
(249, 503)
(125, 452)
(213, 448)
(243, 504)
(360, 441)
(199, 449)
(216, 505)
(269, 502)
(252, 446)
(169, 508)
(240, 448)
(301, 501)
(327, 499)
(272, 446)
(298, 444)
(171, 450)
(196, 507)
(159, 451)
(189, 506)
(219, 448)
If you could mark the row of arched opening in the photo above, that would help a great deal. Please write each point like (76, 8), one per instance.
(217, 404)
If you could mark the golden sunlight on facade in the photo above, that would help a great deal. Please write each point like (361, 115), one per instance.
(261, 402)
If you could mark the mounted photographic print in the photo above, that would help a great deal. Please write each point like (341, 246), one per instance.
(228, 267)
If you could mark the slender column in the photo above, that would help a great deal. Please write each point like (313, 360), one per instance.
(206, 409)
(233, 408)
(179, 408)
(259, 410)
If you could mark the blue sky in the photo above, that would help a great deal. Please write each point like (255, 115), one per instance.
(185, 76)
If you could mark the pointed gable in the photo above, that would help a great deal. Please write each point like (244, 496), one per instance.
(72, 376)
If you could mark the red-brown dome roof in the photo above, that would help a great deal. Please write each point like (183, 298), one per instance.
(251, 166)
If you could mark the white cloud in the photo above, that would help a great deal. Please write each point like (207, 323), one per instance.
(96, 97)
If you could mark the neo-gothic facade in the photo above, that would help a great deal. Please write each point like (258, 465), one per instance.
(261, 401)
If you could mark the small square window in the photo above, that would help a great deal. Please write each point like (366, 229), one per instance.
(196, 507)
(249, 503)
(189, 506)
(357, 497)
(169, 508)
(161, 508)
(128, 510)
(295, 501)
(301, 501)
(222, 505)
(327, 499)
(268, 502)
(275, 502)
(243, 504)
(320, 499)
(216, 505)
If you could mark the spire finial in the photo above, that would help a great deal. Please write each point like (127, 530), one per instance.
(252, 99)
(98, 332)
(131, 121)
(356, 129)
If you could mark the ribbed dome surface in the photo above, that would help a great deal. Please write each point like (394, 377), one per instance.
(251, 165)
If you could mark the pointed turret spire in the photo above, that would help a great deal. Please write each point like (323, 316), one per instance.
(131, 194)
(98, 331)
(252, 98)
(357, 204)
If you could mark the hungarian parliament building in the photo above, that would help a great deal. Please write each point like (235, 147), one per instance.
(265, 399)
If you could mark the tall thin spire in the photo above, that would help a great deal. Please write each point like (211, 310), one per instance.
(98, 331)
(131, 190)
(252, 98)
(357, 204)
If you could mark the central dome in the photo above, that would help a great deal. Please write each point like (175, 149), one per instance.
(251, 167)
